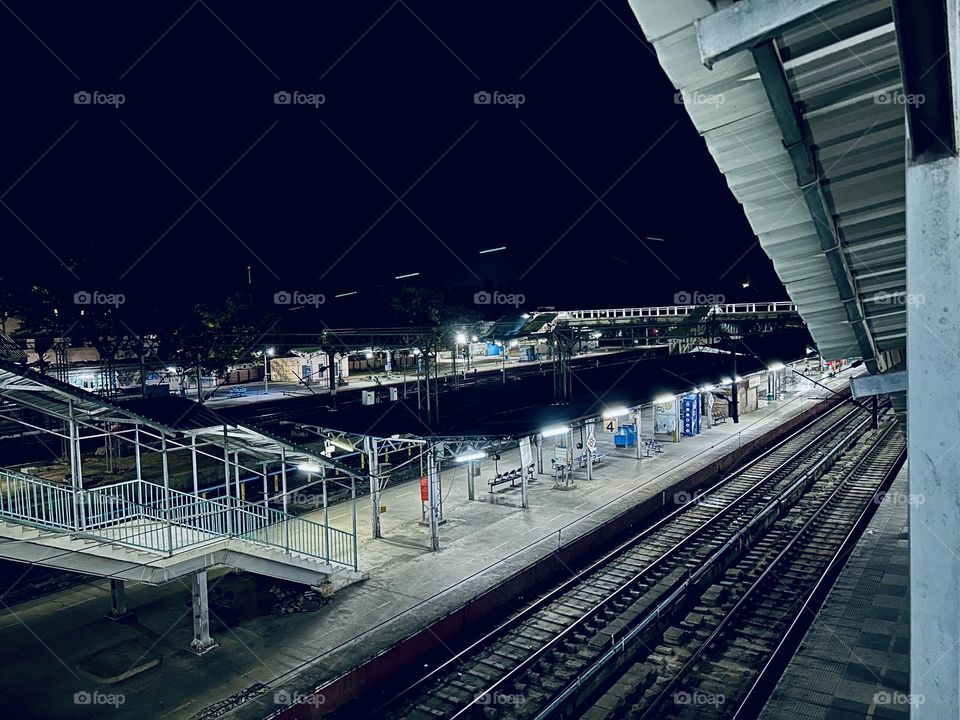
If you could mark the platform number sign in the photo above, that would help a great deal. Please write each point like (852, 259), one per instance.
(610, 426)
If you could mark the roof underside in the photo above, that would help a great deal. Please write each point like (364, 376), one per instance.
(837, 65)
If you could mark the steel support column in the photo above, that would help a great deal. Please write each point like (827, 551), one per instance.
(373, 468)
(433, 496)
(166, 493)
(202, 642)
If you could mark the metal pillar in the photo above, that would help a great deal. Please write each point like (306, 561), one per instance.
(586, 450)
(636, 427)
(226, 480)
(136, 451)
(933, 399)
(283, 490)
(166, 492)
(373, 468)
(433, 497)
(75, 484)
(353, 517)
(236, 475)
(471, 480)
(735, 387)
(539, 439)
(193, 465)
(118, 600)
(202, 642)
(326, 523)
(266, 491)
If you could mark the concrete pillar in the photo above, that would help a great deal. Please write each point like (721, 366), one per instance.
(118, 600)
(933, 411)
(433, 497)
(373, 468)
(636, 427)
(202, 642)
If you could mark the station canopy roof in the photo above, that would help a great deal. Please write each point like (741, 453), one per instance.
(836, 108)
(172, 416)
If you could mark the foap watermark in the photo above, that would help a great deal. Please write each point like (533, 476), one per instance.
(698, 298)
(95, 297)
(901, 499)
(899, 298)
(499, 98)
(84, 97)
(897, 698)
(898, 97)
(499, 698)
(684, 97)
(685, 496)
(295, 97)
(498, 298)
(288, 697)
(85, 697)
(299, 299)
(696, 697)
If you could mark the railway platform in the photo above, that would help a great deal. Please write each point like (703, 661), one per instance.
(414, 601)
(854, 662)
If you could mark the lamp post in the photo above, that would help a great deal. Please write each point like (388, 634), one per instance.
(266, 353)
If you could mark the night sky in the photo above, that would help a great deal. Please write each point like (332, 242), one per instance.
(398, 170)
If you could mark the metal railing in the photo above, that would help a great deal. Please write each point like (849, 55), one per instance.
(679, 310)
(145, 515)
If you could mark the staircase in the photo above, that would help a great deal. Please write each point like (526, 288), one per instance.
(138, 530)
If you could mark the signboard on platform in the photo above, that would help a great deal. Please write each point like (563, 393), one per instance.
(526, 453)
(690, 415)
(666, 419)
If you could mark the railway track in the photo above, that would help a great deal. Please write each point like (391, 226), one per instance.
(523, 665)
(723, 658)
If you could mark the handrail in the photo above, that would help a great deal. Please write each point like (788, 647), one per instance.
(146, 515)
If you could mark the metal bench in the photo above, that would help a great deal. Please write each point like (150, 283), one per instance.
(509, 477)
(651, 445)
(598, 457)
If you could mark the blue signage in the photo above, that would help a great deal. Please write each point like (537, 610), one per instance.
(690, 415)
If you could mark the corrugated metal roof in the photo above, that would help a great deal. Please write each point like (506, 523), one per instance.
(840, 67)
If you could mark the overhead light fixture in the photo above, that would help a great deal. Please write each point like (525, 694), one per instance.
(514, 343)
(308, 467)
(342, 444)
(269, 351)
(554, 431)
(346, 294)
(526, 316)
(493, 250)
(725, 380)
(777, 366)
(473, 338)
(404, 277)
(460, 338)
(613, 412)
(706, 388)
(171, 370)
(470, 457)
(664, 399)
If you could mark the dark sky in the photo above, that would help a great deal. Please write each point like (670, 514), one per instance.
(308, 196)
